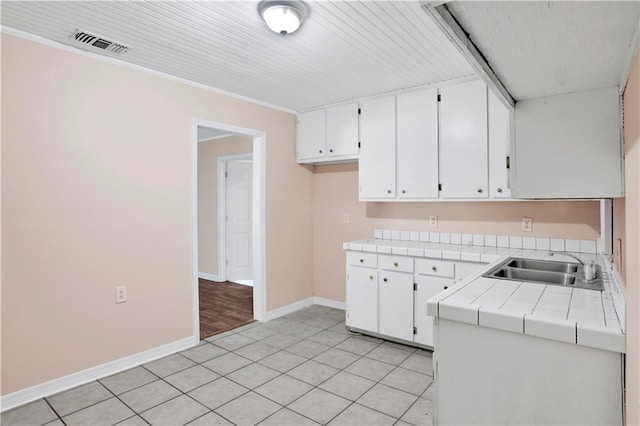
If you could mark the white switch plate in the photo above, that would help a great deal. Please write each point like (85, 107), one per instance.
(121, 294)
(433, 221)
(527, 224)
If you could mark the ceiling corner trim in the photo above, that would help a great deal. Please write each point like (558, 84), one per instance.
(460, 39)
(115, 61)
(634, 44)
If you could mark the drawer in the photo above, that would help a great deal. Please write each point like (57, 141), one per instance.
(438, 268)
(357, 258)
(396, 263)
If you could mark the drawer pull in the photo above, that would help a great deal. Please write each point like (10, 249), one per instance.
(434, 269)
(446, 287)
(361, 260)
(384, 279)
(395, 264)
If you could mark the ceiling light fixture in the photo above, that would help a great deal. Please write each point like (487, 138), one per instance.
(283, 16)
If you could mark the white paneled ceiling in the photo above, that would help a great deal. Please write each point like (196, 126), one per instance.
(345, 50)
(540, 48)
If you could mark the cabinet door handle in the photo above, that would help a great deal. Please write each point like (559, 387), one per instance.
(384, 279)
(446, 287)
(370, 277)
(320, 151)
(404, 191)
(499, 190)
(434, 269)
(361, 260)
(331, 150)
(479, 190)
(395, 264)
(388, 191)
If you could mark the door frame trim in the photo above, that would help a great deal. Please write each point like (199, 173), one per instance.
(222, 209)
(258, 218)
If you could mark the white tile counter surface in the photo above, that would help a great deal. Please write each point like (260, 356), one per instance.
(572, 315)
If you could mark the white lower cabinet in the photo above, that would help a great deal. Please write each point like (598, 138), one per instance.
(395, 290)
(426, 288)
(362, 298)
(387, 295)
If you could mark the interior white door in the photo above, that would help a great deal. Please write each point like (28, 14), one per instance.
(238, 196)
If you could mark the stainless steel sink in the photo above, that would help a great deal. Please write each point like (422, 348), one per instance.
(544, 265)
(567, 274)
(537, 276)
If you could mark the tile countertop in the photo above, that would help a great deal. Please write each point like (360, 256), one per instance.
(572, 315)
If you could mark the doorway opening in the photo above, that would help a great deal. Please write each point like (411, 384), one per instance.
(228, 227)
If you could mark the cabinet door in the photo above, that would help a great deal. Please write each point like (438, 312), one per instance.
(417, 144)
(499, 147)
(395, 305)
(463, 140)
(377, 164)
(342, 130)
(426, 288)
(311, 134)
(362, 298)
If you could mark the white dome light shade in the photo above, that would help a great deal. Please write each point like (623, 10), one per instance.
(283, 17)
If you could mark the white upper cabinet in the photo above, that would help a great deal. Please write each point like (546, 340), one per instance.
(463, 140)
(499, 148)
(328, 135)
(417, 144)
(568, 146)
(377, 168)
(312, 127)
(342, 130)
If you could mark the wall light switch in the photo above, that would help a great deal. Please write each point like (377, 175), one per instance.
(121, 294)
(346, 218)
(433, 220)
(527, 224)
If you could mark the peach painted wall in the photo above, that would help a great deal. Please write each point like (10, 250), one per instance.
(208, 154)
(96, 193)
(335, 190)
(631, 239)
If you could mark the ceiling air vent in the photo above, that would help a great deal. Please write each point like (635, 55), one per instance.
(97, 42)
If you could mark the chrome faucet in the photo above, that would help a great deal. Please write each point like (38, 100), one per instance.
(588, 271)
(551, 253)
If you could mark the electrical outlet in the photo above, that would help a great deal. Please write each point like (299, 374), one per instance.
(346, 218)
(121, 294)
(433, 221)
(527, 224)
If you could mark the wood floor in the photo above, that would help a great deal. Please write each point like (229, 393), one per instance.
(223, 306)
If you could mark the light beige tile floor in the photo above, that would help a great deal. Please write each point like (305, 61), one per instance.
(304, 368)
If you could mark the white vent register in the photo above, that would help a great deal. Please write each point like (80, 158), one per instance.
(98, 42)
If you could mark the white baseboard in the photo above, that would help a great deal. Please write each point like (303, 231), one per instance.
(280, 312)
(76, 379)
(329, 303)
(277, 313)
(209, 277)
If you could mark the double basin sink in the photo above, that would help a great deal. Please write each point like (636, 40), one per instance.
(567, 274)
